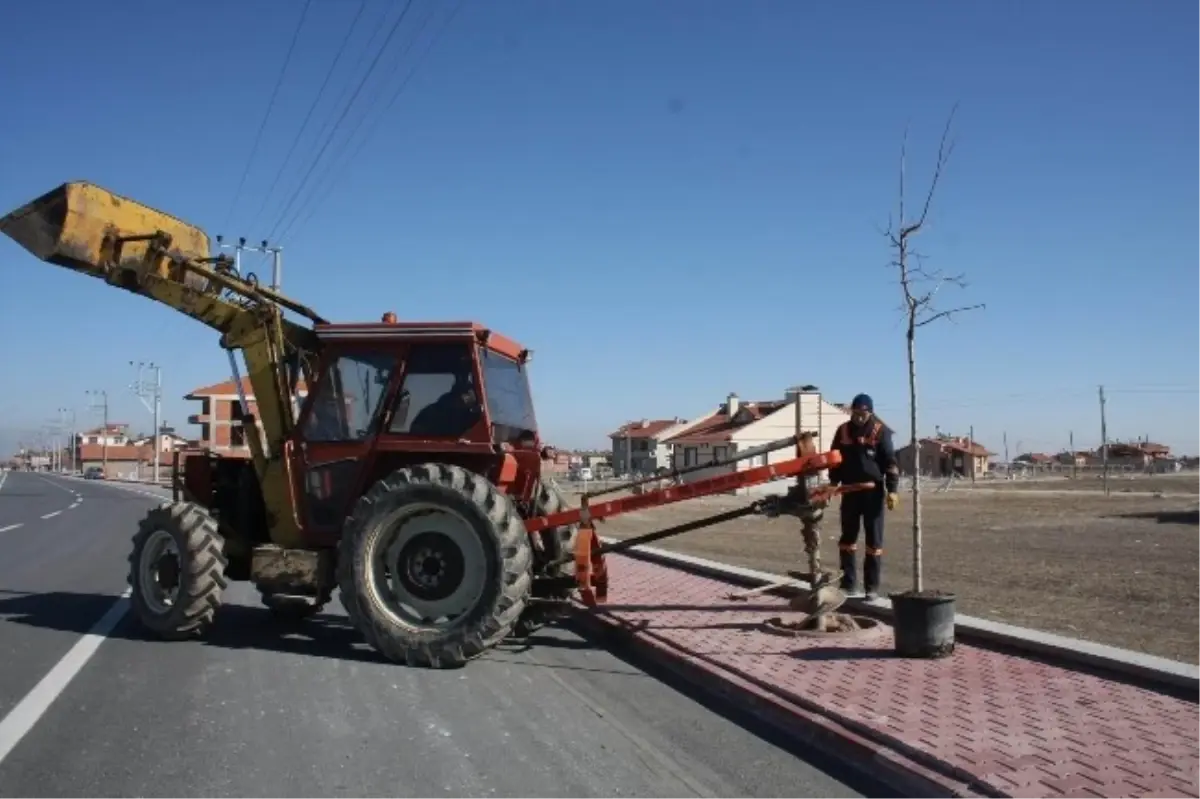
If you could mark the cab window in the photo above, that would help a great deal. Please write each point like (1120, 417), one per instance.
(348, 400)
(510, 405)
(439, 396)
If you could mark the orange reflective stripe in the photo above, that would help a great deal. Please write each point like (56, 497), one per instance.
(874, 552)
(848, 547)
(869, 440)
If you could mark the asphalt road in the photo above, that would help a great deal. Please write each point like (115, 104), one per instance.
(264, 710)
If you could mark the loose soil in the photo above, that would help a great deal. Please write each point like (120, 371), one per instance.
(1120, 570)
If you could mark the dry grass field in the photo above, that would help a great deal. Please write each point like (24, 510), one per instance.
(1120, 570)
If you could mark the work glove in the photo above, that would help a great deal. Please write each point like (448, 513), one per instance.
(892, 501)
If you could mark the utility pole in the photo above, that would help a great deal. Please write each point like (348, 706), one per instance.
(74, 447)
(67, 432)
(276, 254)
(150, 393)
(100, 402)
(56, 446)
(971, 449)
(1074, 458)
(1103, 441)
(1007, 462)
(50, 431)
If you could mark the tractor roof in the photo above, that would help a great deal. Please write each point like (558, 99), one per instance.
(374, 332)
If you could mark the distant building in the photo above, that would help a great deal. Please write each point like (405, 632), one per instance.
(642, 446)
(220, 427)
(736, 426)
(943, 456)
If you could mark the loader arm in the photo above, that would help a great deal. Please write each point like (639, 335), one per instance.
(90, 230)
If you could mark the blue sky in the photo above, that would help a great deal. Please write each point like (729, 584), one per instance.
(667, 201)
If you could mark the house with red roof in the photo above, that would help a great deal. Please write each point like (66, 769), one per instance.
(737, 425)
(945, 455)
(220, 425)
(641, 446)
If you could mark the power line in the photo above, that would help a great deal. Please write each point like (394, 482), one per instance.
(342, 117)
(330, 167)
(1152, 390)
(333, 163)
(324, 194)
(312, 108)
(377, 29)
(270, 105)
(1041, 395)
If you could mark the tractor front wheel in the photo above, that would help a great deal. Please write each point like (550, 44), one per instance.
(177, 570)
(434, 566)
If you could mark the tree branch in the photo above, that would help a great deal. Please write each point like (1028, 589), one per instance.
(948, 314)
(945, 149)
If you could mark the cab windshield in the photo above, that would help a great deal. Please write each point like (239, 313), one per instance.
(510, 404)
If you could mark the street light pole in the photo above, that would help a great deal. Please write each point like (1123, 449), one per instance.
(150, 393)
(60, 443)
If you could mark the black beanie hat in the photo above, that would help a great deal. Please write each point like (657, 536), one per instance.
(863, 401)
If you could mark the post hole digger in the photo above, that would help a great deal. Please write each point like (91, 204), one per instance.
(822, 596)
(396, 462)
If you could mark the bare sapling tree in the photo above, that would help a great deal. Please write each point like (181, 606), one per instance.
(920, 286)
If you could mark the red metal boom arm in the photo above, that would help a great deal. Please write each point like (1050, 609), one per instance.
(700, 488)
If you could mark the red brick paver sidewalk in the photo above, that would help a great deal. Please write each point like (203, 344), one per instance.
(1014, 725)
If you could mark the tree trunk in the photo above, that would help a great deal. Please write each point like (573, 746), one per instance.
(918, 581)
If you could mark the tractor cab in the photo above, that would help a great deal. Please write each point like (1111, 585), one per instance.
(390, 395)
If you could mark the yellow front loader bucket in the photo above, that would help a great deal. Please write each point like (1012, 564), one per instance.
(76, 225)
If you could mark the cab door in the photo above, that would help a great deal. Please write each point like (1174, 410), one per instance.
(337, 434)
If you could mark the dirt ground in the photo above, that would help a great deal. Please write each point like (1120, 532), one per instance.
(1181, 483)
(1120, 570)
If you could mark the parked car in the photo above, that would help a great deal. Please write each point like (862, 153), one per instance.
(93, 473)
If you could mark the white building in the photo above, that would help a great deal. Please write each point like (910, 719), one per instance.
(736, 426)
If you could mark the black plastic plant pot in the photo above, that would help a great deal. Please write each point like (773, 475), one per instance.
(923, 624)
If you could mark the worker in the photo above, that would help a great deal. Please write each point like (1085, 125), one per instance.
(452, 414)
(868, 456)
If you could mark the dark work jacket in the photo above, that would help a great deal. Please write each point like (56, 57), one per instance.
(868, 455)
(448, 416)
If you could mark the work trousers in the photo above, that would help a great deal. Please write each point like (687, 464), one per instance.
(865, 509)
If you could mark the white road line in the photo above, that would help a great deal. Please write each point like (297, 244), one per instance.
(11, 527)
(56, 485)
(20, 720)
(73, 506)
(51, 515)
(3, 477)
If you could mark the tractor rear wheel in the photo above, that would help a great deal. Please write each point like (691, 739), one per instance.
(551, 595)
(177, 570)
(434, 566)
(559, 541)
